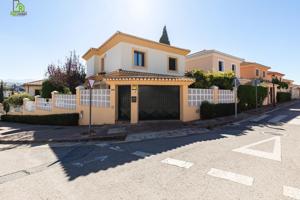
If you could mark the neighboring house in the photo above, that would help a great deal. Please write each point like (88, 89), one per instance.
(272, 74)
(295, 92)
(213, 61)
(33, 88)
(7, 93)
(290, 85)
(252, 70)
(145, 78)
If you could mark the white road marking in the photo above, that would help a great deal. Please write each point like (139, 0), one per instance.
(228, 136)
(259, 118)
(277, 118)
(291, 192)
(98, 158)
(116, 148)
(295, 121)
(141, 154)
(101, 145)
(275, 155)
(245, 180)
(178, 163)
(294, 109)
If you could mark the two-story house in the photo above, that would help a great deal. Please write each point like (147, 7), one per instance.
(146, 78)
(252, 70)
(272, 74)
(213, 61)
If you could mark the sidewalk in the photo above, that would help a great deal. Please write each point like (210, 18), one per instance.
(13, 133)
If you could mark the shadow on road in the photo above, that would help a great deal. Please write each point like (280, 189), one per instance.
(82, 160)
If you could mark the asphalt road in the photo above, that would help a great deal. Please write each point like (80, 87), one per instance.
(256, 159)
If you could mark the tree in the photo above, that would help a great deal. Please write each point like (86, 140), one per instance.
(48, 87)
(164, 38)
(281, 84)
(70, 75)
(6, 106)
(1, 92)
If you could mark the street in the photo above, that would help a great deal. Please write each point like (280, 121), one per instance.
(254, 159)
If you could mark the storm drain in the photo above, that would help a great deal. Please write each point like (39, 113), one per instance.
(13, 176)
(23, 173)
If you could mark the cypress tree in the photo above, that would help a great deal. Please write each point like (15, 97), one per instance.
(164, 38)
(1, 92)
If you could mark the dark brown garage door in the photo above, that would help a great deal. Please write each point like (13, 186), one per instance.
(159, 102)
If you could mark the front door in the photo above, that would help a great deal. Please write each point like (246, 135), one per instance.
(124, 93)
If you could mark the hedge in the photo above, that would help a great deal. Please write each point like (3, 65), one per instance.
(210, 110)
(57, 119)
(247, 97)
(283, 96)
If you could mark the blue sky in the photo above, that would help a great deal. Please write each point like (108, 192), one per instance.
(263, 31)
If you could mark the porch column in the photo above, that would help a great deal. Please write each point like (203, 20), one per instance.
(134, 104)
(184, 103)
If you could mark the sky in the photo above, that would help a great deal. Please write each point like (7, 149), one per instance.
(262, 31)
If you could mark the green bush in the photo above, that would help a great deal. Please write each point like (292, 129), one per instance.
(210, 110)
(17, 99)
(57, 119)
(6, 106)
(48, 87)
(247, 98)
(283, 97)
(204, 80)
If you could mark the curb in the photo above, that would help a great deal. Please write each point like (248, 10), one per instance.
(122, 138)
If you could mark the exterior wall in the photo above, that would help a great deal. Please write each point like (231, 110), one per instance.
(108, 115)
(295, 93)
(210, 63)
(269, 77)
(31, 89)
(121, 57)
(204, 63)
(93, 65)
(227, 64)
(249, 72)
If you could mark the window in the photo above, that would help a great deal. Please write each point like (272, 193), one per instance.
(233, 67)
(257, 72)
(102, 64)
(264, 74)
(139, 58)
(172, 64)
(37, 92)
(221, 66)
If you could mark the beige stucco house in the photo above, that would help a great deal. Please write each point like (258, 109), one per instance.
(145, 78)
(252, 70)
(213, 61)
(33, 88)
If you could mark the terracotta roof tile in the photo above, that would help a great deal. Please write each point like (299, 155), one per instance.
(132, 75)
